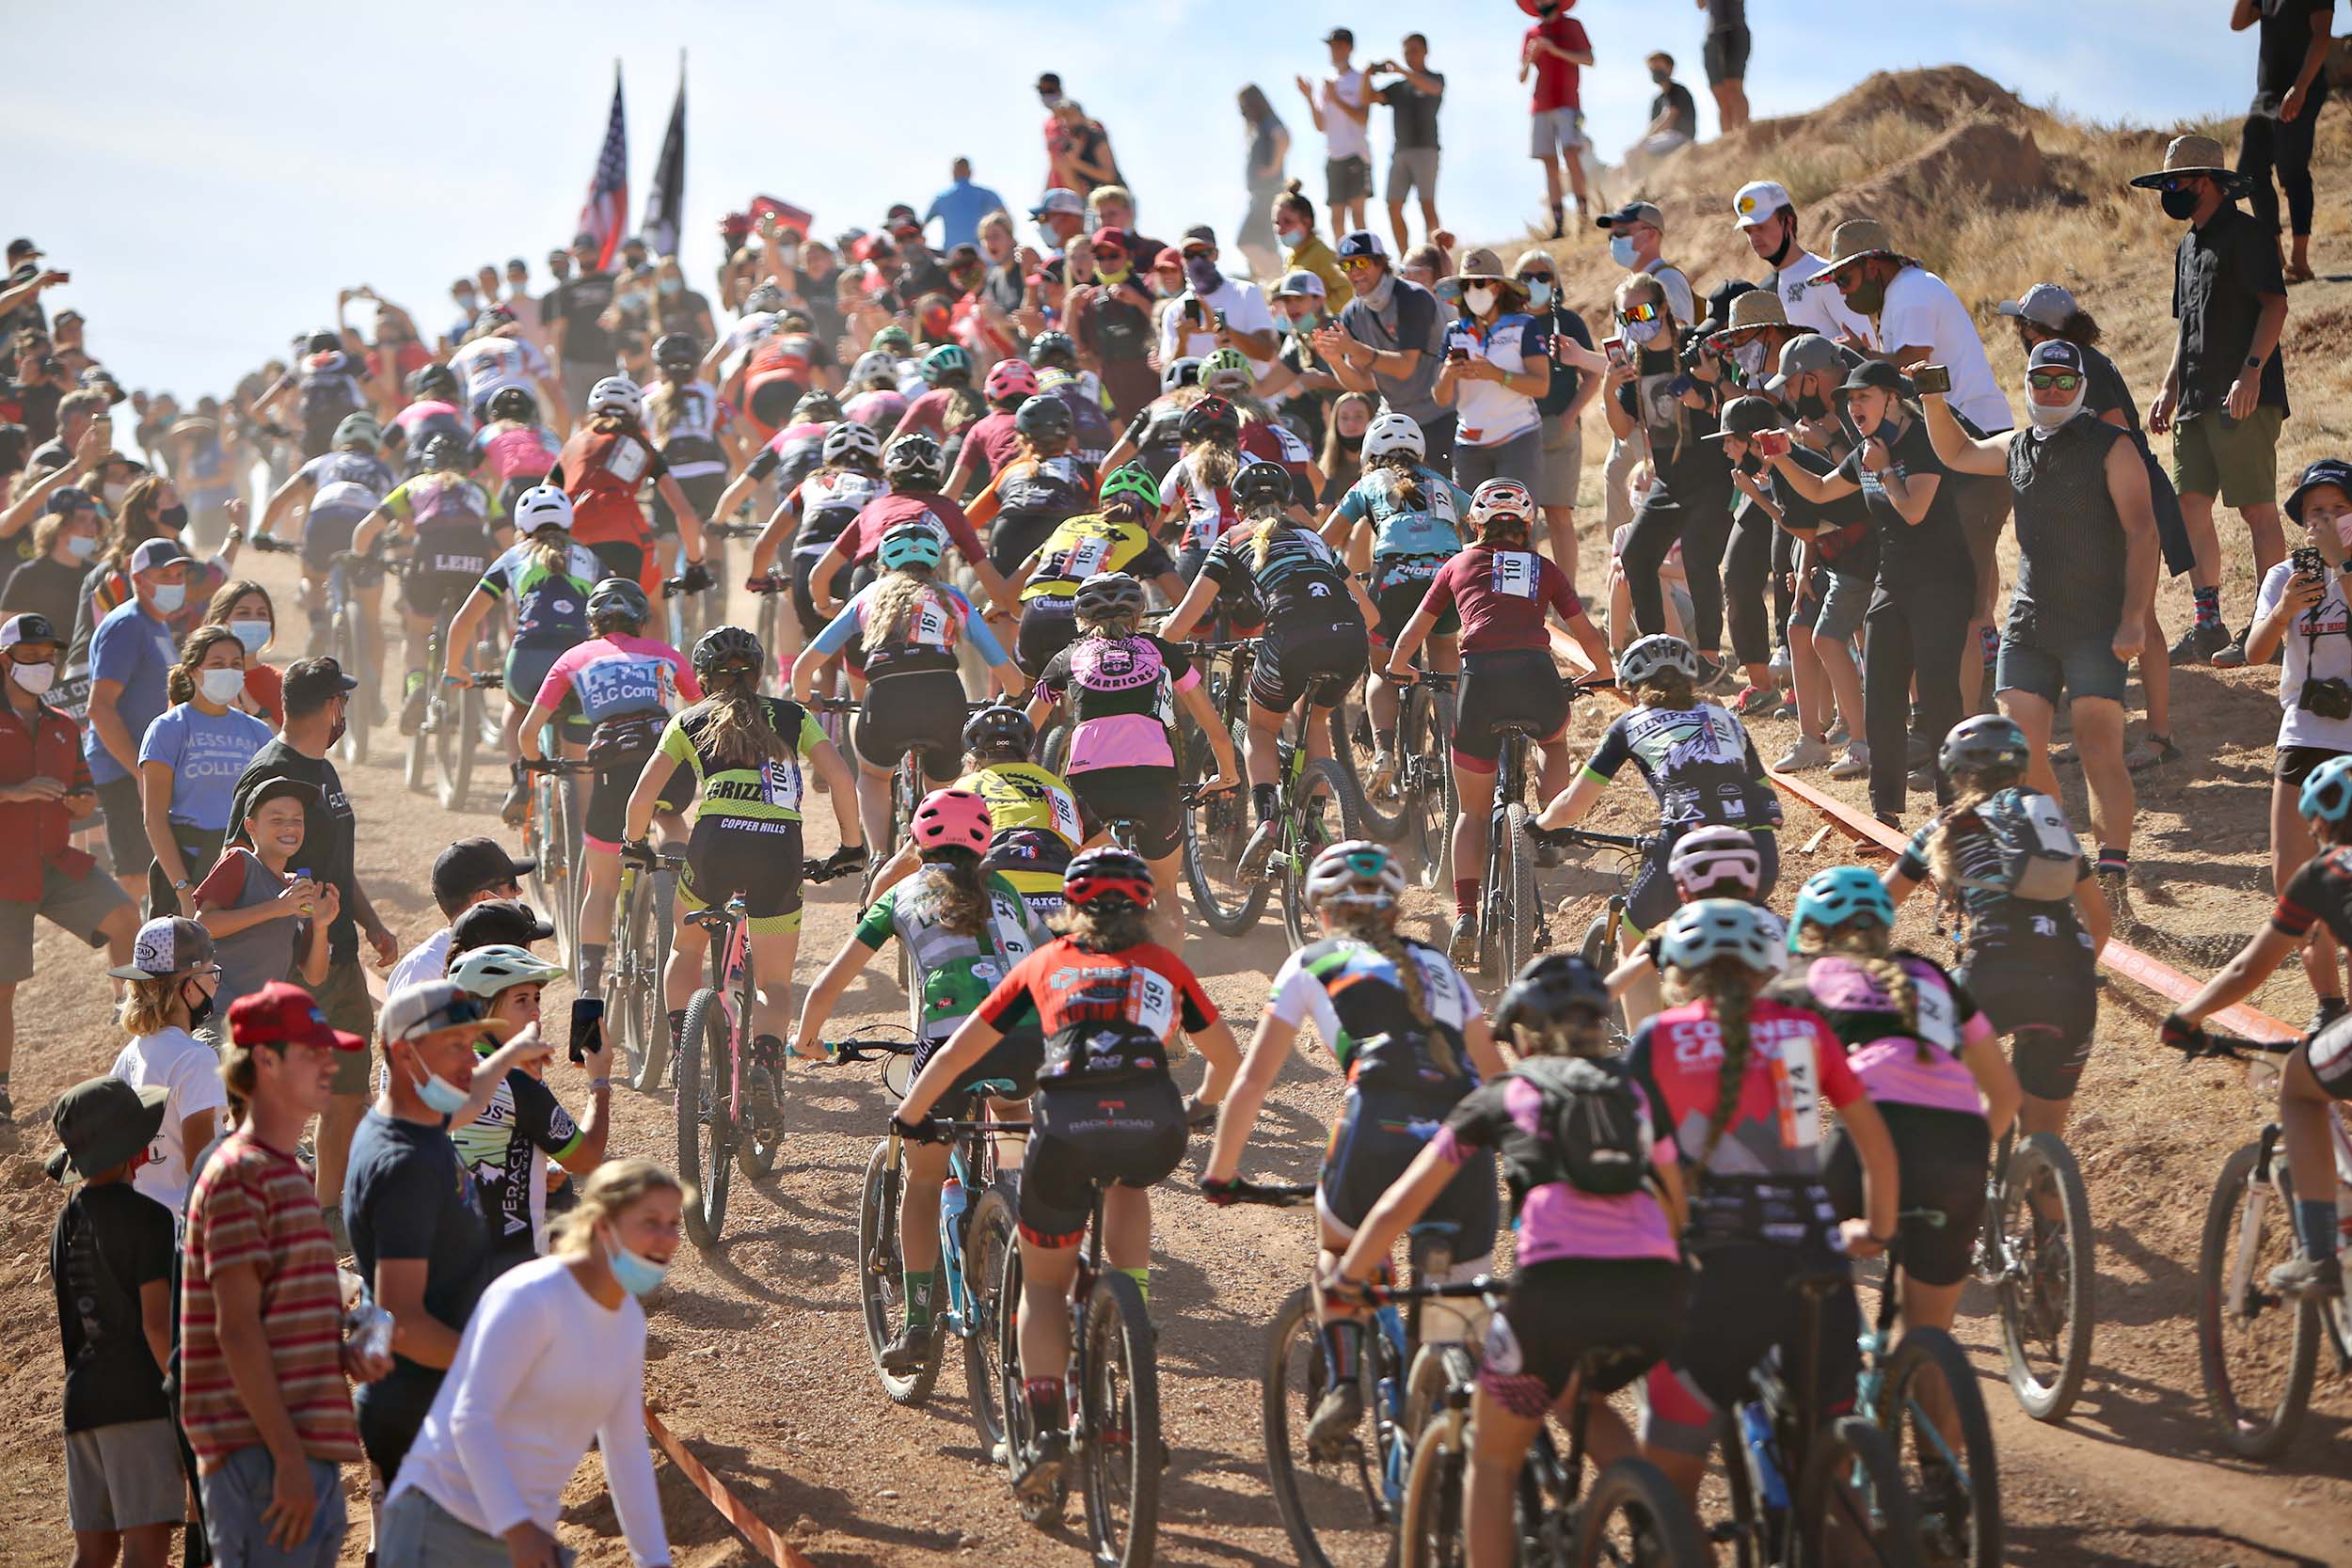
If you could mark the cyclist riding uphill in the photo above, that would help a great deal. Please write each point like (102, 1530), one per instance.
(813, 513)
(992, 440)
(609, 455)
(950, 402)
(1314, 647)
(1706, 862)
(1733, 1075)
(2319, 1070)
(692, 428)
(963, 928)
(432, 409)
(1117, 537)
(514, 451)
(1037, 822)
(1122, 687)
(744, 755)
(1930, 1061)
(1198, 488)
(1109, 1002)
(2032, 918)
(336, 490)
(911, 463)
(1408, 1033)
(791, 454)
(1597, 1201)
(1501, 588)
(448, 515)
(544, 580)
(907, 624)
(1035, 491)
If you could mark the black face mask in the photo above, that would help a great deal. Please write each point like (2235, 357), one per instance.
(199, 1007)
(173, 518)
(1812, 406)
(1662, 77)
(1787, 244)
(2179, 205)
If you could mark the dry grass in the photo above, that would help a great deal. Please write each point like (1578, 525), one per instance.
(1813, 168)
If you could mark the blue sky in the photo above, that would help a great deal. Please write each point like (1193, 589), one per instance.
(212, 175)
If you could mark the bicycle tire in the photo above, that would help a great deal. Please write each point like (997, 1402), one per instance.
(1602, 953)
(1332, 1512)
(632, 984)
(419, 759)
(1429, 1532)
(990, 1234)
(1308, 830)
(351, 651)
(754, 1154)
(1121, 1393)
(1014, 1399)
(1381, 824)
(563, 840)
(1660, 1531)
(1851, 1490)
(2253, 1425)
(882, 1275)
(454, 740)
(1522, 914)
(1212, 849)
(2047, 1397)
(1959, 1518)
(1426, 760)
(703, 1167)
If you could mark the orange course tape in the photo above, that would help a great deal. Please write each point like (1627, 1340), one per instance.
(764, 1541)
(2128, 962)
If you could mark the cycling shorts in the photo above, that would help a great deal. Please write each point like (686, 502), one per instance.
(758, 859)
(1016, 1056)
(1376, 1136)
(1130, 1134)
(2329, 1053)
(630, 558)
(772, 400)
(804, 606)
(1048, 625)
(1010, 540)
(605, 822)
(2051, 1010)
(326, 534)
(1321, 663)
(1510, 686)
(1942, 1156)
(1034, 861)
(1558, 1311)
(1399, 603)
(1151, 798)
(435, 595)
(702, 492)
(915, 708)
(511, 492)
(1742, 1304)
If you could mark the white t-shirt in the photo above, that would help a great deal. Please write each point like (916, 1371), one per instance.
(1490, 412)
(2318, 646)
(1921, 310)
(175, 1060)
(1343, 135)
(427, 961)
(1244, 310)
(1820, 307)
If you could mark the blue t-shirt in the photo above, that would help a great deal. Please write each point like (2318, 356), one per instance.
(959, 210)
(207, 756)
(134, 648)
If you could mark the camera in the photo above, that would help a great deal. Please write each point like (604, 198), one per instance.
(2329, 699)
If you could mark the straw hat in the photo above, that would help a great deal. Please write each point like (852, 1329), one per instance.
(2196, 154)
(1482, 264)
(1857, 239)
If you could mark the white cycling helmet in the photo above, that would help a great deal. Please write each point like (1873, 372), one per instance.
(542, 506)
(1714, 861)
(873, 365)
(1649, 654)
(1395, 433)
(1748, 934)
(617, 394)
(851, 436)
(484, 971)
(1357, 874)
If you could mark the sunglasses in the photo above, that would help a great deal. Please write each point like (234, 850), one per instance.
(1352, 263)
(2063, 381)
(1632, 314)
(450, 1014)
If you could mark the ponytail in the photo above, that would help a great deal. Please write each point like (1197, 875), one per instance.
(735, 724)
(1669, 690)
(950, 891)
(1405, 483)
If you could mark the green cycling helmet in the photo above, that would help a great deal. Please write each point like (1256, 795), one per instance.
(893, 339)
(1134, 478)
(947, 360)
(1226, 369)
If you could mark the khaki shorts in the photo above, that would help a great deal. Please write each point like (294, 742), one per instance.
(2238, 462)
(1983, 501)
(342, 996)
(1564, 460)
(1551, 132)
(79, 905)
(124, 1476)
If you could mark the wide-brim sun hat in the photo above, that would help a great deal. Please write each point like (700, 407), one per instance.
(2194, 153)
(1857, 239)
(1482, 264)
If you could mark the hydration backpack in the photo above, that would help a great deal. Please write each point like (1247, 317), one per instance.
(2039, 858)
(1596, 1122)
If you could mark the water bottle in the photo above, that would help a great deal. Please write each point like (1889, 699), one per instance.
(1758, 1432)
(370, 1326)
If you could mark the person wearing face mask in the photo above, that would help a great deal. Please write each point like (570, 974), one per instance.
(190, 759)
(2086, 575)
(417, 1231)
(1302, 386)
(1764, 212)
(1497, 366)
(555, 1355)
(584, 347)
(1215, 312)
(1110, 319)
(1636, 232)
(1390, 342)
(1303, 247)
(168, 989)
(1575, 380)
(1262, 176)
(1745, 330)
(1674, 120)
(64, 542)
(131, 655)
(245, 607)
(468, 300)
(1554, 52)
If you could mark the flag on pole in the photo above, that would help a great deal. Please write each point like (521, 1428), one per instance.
(666, 204)
(607, 212)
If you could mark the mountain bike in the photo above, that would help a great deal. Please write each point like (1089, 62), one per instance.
(1923, 1395)
(1218, 826)
(633, 995)
(552, 817)
(350, 641)
(1602, 942)
(457, 722)
(2035, 1251)
(1416, 806)
(772, 600)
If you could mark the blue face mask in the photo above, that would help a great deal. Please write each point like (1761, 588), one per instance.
(81, 546)
(169, 596)
(1621, 251)
(1539, 293)
(640, 1276)
(441, 1097)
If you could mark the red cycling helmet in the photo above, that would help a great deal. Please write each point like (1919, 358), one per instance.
(952, 819)
(1105, 875)
(1009, 378)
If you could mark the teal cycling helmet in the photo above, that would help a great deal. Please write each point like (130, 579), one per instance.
(946, 360)
(1698, 934)
(911, 545)
(2327, 793)
(1840, 894)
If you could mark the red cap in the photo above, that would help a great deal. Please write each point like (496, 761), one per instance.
(1172, 257)
(284, 1014)
(1112, 239)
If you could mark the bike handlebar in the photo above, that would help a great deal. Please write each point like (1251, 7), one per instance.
(557, 765)
(844, 1053)
(1269, 1195)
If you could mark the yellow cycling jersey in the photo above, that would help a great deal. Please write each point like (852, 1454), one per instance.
(1022, 795)
(1081, 547)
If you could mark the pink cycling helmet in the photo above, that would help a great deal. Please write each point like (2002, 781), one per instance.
(952, 819)
(1010, 378)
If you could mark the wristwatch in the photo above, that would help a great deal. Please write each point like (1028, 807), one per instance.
(2253, 363)
(179, 886)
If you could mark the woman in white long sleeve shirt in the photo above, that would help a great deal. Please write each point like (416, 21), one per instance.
(554, 1354)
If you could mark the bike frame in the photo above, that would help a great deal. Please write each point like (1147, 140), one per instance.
(2265, 1186)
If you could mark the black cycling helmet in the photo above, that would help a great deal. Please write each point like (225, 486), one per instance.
(1107, 878)
(1108, 596)
(724, 646)
(818, 408)
(1044, 417)
(676, 351)
(914, 462)
(444, 451)
(1261, 481)
(1056, 349)
(1984, 744)
(618, 599)
(1212, 417)
(323, 342)
(1550, 986)
(430, 380)
(514, 402)
(999, 730)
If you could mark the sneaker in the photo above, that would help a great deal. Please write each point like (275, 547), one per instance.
(1258, 852)
(2201, 642)
(1754, 702)
(2330, 1008)
(1783, 668)
(511, 810)
(1382, 774)
(909, 1349)
(1852, 763)
(412, 702)
(8, 1108)
(1839, 735)
(1806, 754)
(1335, 1422)
(1043, 1463)
(759, 1095)
(1462, 945)
(1921, 779)
(1888, 819)
(2153, 751)
(2232, 654)
(2319, 1278)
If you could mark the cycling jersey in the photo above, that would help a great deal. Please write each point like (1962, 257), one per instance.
(885, 513)
(950, 974)
(2022, 931)
(1794, 1060)
(1023, 796)
(740, 794)
(1897, 1066)
(878, 411)
(1501, 595)
(1090, 426)
(330, 386)
(1408, 542)
(1299, 585)
(695, 415)
(450, 516)
(995, 440)
(830, 502)
(1273, 442)
(940, 618)
(507, 1148)
(1083, 546)
(797, 448)
(617, 678)
(1555, 1218)
(420, 422)
(355, 482)
(1699, 762)
(1043, 490)
(603, 471)
(509, 451)
(489, 366)
(1121, 695)
(1208, 510)
(549, 607)
(1105, 1016)
(1352, 991)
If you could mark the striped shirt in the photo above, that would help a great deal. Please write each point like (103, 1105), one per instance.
(255, 1205)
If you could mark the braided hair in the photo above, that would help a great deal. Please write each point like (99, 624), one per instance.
(1870, 945)
(1377, 929)
(1728, 986)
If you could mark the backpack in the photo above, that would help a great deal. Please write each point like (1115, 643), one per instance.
(326, 390)
(1596, 1122)
(2038, 856)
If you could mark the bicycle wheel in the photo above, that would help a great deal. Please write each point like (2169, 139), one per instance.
(1014, 1402)
(1122, 1401)
(1384, 814)
(1601, 953)
(990, 1235)
(562, 843)
(1425, 769)
(1334, 1510)
(457, 727)
(882, 1275)
(1852, 1509)
(2045, 1293)
(1323, 810)
(2257, 1350)
(632, 982)
(756, 1147)
(420, 744)
(1429, 1529)
(351, 651)
(1934, 1416)
(1523, 930)
(1214, 832)
(702, 1132)
(1633, 1514)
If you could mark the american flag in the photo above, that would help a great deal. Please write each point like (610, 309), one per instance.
(607, 212)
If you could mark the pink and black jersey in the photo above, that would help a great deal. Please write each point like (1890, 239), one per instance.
(1557, 1219)
(1121, 694)
(1894, 1064)
(1795, 1063)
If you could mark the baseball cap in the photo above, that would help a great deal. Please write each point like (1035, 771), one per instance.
(1049, 81)
(68, 497)
(498, 923)
(1199, 233)
(584, 238)
(1802, 356)
(155, 554)
(1746, 416)
(1300, 282)
(1109, 238)
(1362, 243)
(19, 250)
(471, 864)
(415, 1011)
(1169, 257)
(1059, 199)
(2045, 305)
(103, 1122)
(1632, 213)
(1339, 35)
(1757, 200)
(2056, 354)
(28, 626)
(282, 1013)
(311, 681)
(170, 944)
(277, 788)
(1876, 375)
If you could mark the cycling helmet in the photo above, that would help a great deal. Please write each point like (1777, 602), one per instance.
(910, 544)
(492, 316)
(1010, 380)
(2327, 793)
(952, 819)
(1984, 744)
(1210, 419)
(1647, 657)
(1261, 481)
(445, 450)
(850, 438)
(1716, 862)
(542, 506)
(675, 351)
(874, 366)
(1134, 478)
(323, 341)
(1496, 499)
(1053, 348)
(764, 300)
(893, 339)
(1395, 433)
(514, 402)
(999, 728)
(724, 646)
(1108, 877)
(1840, 894)
(617, 394)
(1044, 418)
(914, 462)
(1107, 597)
(618, 599)
(1533, 1008)
(433, 381)
(484, 971)
(1698, 934)
(793, 320)
(946, 359)
(818, 408)
(1183, 371)
(358, 430)
(1355, 874)
(1226, 369)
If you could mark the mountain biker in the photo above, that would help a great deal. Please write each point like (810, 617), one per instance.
(498, 357)
(1713, 861)
(433, 408)
(339, 488)
(1314, 647)
(448, 515)
(603, 464)
(692, 428)
(1596, 1255)
(1037, 821)
(813, 513)
(1933, 1066)
(1122, 687)
(1117, 537)
(1408, 1033)
(1155, 438)
(992, 440)
(791, 454)
(911, 463)
(512, 450)
(949, 403)
(963, 928)
(1042, 487)
(1198, 487)
(330, 386)
(744, 753)
(1109, 1002)
(1733, 1075)
(907, 626)
(1501, 588)
(871, 395)
(1226, 373)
